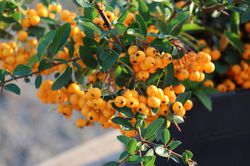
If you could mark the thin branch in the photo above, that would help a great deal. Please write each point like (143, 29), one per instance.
(108, 24)
(37, 72)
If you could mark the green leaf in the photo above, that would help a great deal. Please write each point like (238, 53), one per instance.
(38, 81)
(2, 6)
(125, 111)
(149, 160)
(63, 79)
(119, 29)
(150, 152)
(169, 77)
(81, 2)
(153, 127)
(2, 75)
(183, 97)
(90, 12)
(31, 61)
(161, 151)
(178, 119)
(87, 57)
(91, 26)
(109, 60)
(143, 9)
(154, 79)
(36, 31)
(111, 163)
(21, 70)
(245, 17)
(136, 33)
(132, 146)
(13, 88)
(122, 75)
(192, 27)
(176, 23)
(234, 40)
(221, 67)
(124, 139)
(142, 24)
(204, 98)
(135, 159)
(235, 23)
(44, 43)
(165, 136)
(60, 38)
(186, 155)
(123, 156)
(124, 123)
(174, 145)
(123, 17)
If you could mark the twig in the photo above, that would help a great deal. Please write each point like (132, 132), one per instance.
(109, 25)
(36, 72)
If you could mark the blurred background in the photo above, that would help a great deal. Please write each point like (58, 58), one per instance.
(31, 132)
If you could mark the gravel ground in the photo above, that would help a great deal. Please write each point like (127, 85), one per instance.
(31, 132)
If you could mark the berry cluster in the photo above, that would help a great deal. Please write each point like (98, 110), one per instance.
(147, 62)
(193, 65)
(11, 55)
(95, 108)
(33, 16)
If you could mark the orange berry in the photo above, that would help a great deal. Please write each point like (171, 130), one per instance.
(143, 75)
(95, 93)
(140, 56)
(151, 51)
(153, 102)
(247, 27)
(178, 89)
(183, 74)
(165, 100)
(42, 12)
(222, 88)
(93, 116)
(236, 69)
(133, 59)
(142, 99)
(142, 108)
(149, 62)
(110, 16)
(22, 35)
(10, 60)
(209, 67)
(209, 83)
(81, 123)
(67, 111)
(132, 102)
(151, 90)
(34, 20)
(166, 59)
(64, 15)
(132, 49)
(194, 76)
(120, 101)
(25, 22)
(201, 42)
(73, 88)
(188, 105)
(98, 21)
(178, 109)
(74, 99)
(204, 57)
(215, 54)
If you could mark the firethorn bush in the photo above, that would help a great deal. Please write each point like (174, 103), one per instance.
(128, 65)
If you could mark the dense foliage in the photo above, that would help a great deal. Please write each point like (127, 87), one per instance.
(130, 65)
